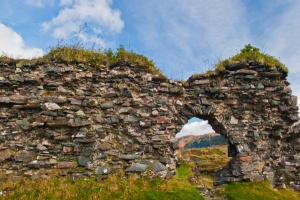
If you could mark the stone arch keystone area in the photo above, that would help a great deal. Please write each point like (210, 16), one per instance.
(63, 116)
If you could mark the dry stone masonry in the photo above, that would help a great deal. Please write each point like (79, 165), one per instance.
(60, 119)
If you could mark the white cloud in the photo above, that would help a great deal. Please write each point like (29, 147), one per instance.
(40, 3)
(182, 34)
(97, 14)
(66, 2)
(12, 44)
(195, 128)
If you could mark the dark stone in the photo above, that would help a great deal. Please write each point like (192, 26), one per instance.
(214, 90)
(107, 105)
(132, 118)
(113, 119)
(176, 90)
(237, 66)
(83, 160)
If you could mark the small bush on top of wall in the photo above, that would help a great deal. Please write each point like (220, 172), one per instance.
(250, 53)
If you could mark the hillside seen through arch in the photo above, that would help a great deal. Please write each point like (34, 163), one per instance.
(198, 133)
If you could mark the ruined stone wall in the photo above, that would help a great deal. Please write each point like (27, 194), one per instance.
(92, 121)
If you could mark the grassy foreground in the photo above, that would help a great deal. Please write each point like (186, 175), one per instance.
(134, 187)
(258, 191)
(115, 187)
(201, 164)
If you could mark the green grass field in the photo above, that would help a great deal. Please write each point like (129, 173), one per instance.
(258, 191)
(115, 187)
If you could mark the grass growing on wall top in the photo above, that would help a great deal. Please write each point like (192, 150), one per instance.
(250, 53)
(73, 54)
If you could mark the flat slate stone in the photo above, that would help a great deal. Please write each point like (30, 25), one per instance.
(5, 154)
(201, 82)
(155, 166)
(65, 165)
(22, 122)
(105, 169)
(4, 100)
(233, 120)
(55, 99)
(52, 106)
(137, 167)
(132, 118)
(75, 101)
(107, 105)
(24, 156)
(129, 156)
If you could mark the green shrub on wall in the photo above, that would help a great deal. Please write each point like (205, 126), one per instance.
(250, 53)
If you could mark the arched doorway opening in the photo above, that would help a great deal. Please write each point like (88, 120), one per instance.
(198, 133)
(203, 149)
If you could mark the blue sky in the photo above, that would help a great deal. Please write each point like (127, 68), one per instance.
(182, 37)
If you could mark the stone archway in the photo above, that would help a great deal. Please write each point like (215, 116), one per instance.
(248, 105)
(223, 122)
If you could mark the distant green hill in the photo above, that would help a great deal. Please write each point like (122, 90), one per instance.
(201, 141)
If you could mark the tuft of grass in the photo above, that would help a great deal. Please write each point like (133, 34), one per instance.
(247, 54)
(258, 191)
(219, 152)
(250, 53)
(72, 54)
(204, 181)
(184, 170)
